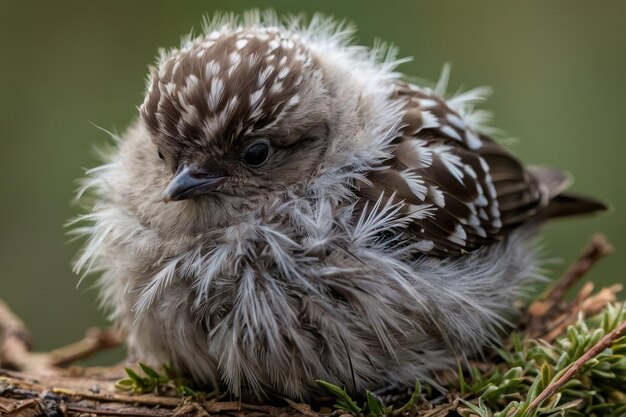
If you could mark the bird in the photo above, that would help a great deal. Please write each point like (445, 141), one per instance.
(288, 207)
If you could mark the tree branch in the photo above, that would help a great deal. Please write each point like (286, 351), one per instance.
(598, 248)
(554, 386)
(15, 346)
(550, 314)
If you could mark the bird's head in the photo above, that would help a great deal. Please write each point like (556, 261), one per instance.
(247, 115)
(237, 115)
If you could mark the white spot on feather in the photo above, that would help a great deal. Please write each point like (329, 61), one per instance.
(451, 161)
(473, 142)
(276, 87)
(255, 98)
(495, 213)
(230, 105)
(424, 246)
(481, 201)
(460, 232)
(287, 44)
(192, 82)
(170, 88)
(480, 231)
(459, 236)
(415, 183)
(263, 76)
(234, 59)
(455, 121)
(449, 131)
(283, 73)
(470, 171)
(484, 165)
(429, 120)
(421, 211)
(211, 69)
(215, 93)
(437, 195)
(424, 154)
(214, 35)
(273, 44)
(473, 220)
(293, 101)
(427, 103)
(490, 188)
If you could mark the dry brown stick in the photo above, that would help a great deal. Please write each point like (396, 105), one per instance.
(15, 345)
(14, 339)
(598, 248)
(109, 412)
(145, 399)
(150, 400)
(587, 303)
(575, 367)
(12, 326)
(597, 302)
(111, 403)
(29, 408)
(303, 409)
(94, 341)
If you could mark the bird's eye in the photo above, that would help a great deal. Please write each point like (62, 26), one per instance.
(161, 156)
(256, 154)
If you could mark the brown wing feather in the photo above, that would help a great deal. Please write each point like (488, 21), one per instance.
(461, 190)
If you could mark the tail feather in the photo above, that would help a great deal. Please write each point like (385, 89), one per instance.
(554, 181)
(560, 202)
(570, 204)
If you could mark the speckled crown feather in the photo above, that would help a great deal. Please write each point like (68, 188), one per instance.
(226, 83)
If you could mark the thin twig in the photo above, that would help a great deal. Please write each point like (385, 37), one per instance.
(303, 409)
(598, 248)
(14, 341)
(108, 412)
(586, 303)
(145, 399)
(15, 346)
(94, 341)
(597, 302)
(549, 315)
(554, 386)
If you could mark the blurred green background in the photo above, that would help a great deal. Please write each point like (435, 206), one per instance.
(558, 69)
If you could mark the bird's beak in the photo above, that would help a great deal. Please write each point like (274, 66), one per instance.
(188, 183)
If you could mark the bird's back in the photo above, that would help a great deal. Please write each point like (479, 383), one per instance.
(460, 189)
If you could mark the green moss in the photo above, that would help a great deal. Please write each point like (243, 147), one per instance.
(522, 371)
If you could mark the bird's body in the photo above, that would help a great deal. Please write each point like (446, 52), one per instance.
(330, 220)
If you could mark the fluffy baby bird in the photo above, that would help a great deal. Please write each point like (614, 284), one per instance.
(287, 208)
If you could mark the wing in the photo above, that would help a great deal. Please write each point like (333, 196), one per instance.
(460, 189)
